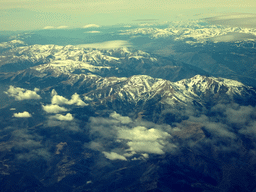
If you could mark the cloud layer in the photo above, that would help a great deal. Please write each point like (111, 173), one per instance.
(107, 44)
(134, 137)
(52, 27)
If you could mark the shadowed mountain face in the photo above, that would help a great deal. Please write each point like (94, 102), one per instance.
(81, 119)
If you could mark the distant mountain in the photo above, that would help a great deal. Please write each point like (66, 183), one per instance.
(120, 119)
(120, 62)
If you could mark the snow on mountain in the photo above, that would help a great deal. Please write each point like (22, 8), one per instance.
(80, 69)
(11, 44)
(63, 58)
(214, 85)
(143, 88)
(183, 31)
(66, 67)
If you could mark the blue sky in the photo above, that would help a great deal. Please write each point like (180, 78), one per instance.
(38, 14)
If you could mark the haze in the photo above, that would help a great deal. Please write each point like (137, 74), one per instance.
(60, 14)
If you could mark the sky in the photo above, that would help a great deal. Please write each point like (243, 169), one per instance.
(39, 14)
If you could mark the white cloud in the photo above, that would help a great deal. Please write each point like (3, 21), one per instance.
(91, 25)
(122, 119)
(92, 32)
(60, 100)
(141, 133)
(144, 140)
(22, 94)
(54, 92)
(62, 27)
(24, 114)
(114, 156)
(52, 27)
(53, 109)
(146, 146)
(49, 27)
(107, 44)
(67, 117)
(87, 98)
(139, 136)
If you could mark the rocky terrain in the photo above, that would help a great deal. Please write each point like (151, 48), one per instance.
(86, 119)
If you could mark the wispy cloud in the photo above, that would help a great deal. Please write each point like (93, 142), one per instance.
(92, 32)
(235, 20)
(107, 44)
(28, 146)
(52, 27)
(62, 27)
(49, 27)
(91, 26)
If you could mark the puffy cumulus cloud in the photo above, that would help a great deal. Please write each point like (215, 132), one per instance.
(60, 100)
(128, 138)
(142, 139)
(54, 92)
(141, 133)
(91, 26)
(123, 120)
(22, 94)
(24, 114)
(114, 156)
(67, 117)
(53, 109)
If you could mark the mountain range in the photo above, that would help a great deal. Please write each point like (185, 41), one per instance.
(88, 119)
